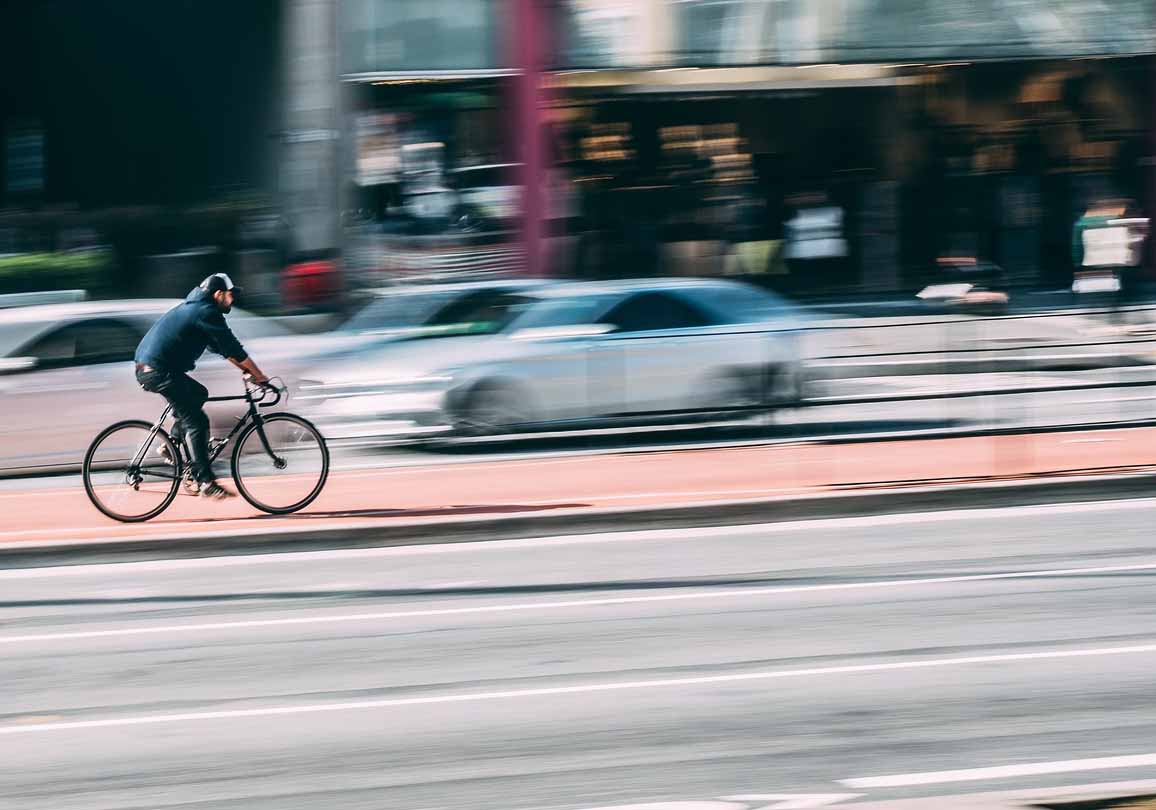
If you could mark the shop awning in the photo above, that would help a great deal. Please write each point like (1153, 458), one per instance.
(732, 80)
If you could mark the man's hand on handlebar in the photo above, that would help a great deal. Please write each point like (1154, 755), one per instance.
(261, 383)
(252, 373)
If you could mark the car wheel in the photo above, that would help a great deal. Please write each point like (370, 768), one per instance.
(744, 397)
(492, 409)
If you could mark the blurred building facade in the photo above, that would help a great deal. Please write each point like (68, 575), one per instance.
(720, 136)
(840, 146)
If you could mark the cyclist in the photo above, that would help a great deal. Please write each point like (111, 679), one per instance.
(171, 348)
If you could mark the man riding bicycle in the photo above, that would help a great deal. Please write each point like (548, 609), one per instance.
(171, 348)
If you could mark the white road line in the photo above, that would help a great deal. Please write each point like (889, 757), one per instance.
(732, 593)
(1001, 772)
(1108, 401)
(793, 801)
(520, 694)
(549, 541)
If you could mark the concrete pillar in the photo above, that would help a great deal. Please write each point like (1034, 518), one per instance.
(310, 169)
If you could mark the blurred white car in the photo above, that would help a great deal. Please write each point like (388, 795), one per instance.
(489, 194)
(66, 372)
(584, 355)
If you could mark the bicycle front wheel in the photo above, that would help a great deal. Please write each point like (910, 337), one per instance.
(131, 472)
(288, 473)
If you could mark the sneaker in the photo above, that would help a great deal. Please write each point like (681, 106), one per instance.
(164, 452)
(215, 491)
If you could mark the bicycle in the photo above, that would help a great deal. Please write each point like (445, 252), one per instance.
(280, 462)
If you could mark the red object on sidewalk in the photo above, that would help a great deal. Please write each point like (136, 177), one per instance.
(310, 285)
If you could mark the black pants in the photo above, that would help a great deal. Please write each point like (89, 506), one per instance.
(187, 396)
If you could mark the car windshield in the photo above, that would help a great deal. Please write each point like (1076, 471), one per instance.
(562, 312)
(482, 312)
(390, 313)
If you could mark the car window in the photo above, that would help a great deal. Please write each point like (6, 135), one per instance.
(739, 304)
(56, 349)
(99, 341)
(105, 342)
(489, 176)
(487, 312)
(554, 312)
(648, 312)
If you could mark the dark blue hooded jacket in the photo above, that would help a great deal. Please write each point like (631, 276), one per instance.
(181, 335)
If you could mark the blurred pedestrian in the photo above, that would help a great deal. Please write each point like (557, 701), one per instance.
(752, 252)
(1106, 248)
(816, 247)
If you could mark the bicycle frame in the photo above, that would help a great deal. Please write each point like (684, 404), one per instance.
(134, 467)
(253, 415)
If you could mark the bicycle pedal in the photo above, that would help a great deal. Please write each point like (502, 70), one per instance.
(192, 487)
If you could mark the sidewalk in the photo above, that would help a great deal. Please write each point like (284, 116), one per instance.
(446, 494)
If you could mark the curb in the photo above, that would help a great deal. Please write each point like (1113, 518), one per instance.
(373, 534)
(1102, 796)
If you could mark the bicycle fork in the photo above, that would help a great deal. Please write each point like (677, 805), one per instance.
(278, 462)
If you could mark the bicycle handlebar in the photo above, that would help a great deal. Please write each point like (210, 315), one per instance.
(278, 391)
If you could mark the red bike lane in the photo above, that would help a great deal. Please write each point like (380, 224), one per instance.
(441, 492)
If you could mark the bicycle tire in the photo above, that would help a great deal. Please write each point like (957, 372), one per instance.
(86, 471)
(239, 478)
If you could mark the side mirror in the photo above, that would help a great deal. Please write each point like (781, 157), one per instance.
(584, 330)
(16, 365)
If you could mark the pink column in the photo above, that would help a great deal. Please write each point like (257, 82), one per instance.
(528, 48)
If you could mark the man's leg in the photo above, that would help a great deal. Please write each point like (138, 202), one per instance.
(188, 398)
(161, 382)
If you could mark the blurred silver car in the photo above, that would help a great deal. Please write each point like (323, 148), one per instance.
(66, 372)
(584, 355)
(416, 310)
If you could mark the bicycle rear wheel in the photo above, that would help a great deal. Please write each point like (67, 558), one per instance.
(293, 476)
(126, 473)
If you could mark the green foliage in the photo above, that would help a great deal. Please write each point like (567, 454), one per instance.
(73, 270)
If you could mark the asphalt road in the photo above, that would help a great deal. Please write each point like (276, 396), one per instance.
(857, 659)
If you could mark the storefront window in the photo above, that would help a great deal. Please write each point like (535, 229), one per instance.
(420, 35)
(615, 33)
(968, 29)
